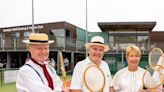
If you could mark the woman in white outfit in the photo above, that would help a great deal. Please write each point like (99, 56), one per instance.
(129, 79)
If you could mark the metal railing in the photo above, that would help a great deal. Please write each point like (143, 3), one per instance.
(61, 43)
(72, 44)
(145, 47)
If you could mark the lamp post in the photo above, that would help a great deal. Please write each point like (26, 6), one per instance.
(33, 16)
(86, 26)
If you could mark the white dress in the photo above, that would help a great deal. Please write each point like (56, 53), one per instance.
(127, 81)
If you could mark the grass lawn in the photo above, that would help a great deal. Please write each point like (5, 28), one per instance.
(8, 88)
(12, 87)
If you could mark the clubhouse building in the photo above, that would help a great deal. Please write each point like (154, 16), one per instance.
(70, 39)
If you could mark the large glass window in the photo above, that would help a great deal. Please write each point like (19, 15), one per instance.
(111, 41)
(125, 39)
(59, 37)
(2, 41)
(1, 35)
(142, 38)
(15, 34)
(143, 32)
(80, 38)
(123, 46)
(126, 31)
(26, 34)
(69, 41)
(142, 42)
(68, 34)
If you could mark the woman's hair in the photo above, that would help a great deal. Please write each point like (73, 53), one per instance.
(134, 48)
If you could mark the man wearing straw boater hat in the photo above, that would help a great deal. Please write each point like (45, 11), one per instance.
(96, 49)
(36, 75)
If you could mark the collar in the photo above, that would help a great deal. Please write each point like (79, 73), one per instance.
(38, 63)
(88, 61)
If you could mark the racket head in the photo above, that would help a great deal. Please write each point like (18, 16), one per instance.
(155, 57)
(148, 79)
(94, 79)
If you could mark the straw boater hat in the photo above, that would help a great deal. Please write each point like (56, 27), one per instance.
(97, 40)
(38, 38)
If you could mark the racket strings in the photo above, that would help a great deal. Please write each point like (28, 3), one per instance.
(155, 57)
(94, 78)
(148, 78)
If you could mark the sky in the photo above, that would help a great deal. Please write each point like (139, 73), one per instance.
(19, 12)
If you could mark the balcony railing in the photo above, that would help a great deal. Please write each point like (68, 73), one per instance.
(16, 44)
(145, 47)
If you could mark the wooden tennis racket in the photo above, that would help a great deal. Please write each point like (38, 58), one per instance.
(63, 69)
(94, 78)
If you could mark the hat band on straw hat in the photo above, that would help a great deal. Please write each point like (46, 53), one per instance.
(39, 41)
(98, 42)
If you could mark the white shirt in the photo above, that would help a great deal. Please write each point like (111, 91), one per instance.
(127, 81)
(29, 81)
(77, 78)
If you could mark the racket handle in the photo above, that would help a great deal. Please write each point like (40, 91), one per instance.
(67, 83)
(64, 84)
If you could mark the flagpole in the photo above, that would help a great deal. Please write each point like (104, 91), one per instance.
(86, 26)
(33, 16)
